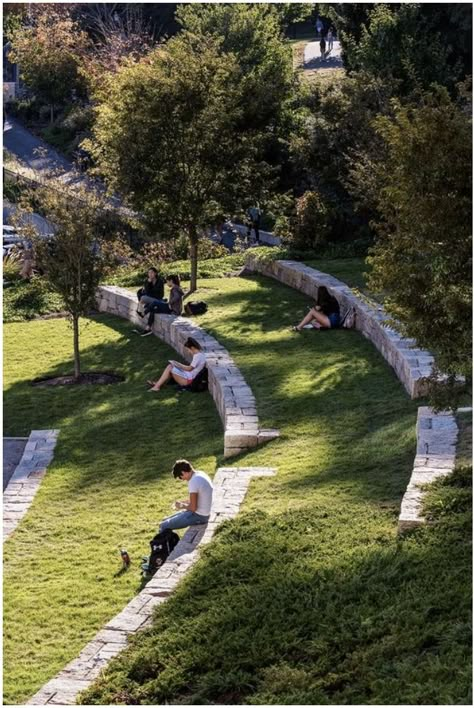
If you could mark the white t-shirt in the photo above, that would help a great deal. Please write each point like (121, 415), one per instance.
(202, 485)
(199, 362)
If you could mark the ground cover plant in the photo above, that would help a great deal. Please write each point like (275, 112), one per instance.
(108, 485)
(26, 299)
(309, 596)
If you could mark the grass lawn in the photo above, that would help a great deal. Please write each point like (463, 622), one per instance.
(308, 596)
(352, 271)
(107, 487)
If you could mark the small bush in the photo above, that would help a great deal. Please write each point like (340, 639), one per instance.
(26, 109)
(79, 119)
(313, 221)
(128, 276)
(11, 191)
(24, 300)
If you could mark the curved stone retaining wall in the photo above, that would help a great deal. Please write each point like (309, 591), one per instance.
(436, 435)
(230, 487)
(412, 365)
(233, 397)
(27, 477)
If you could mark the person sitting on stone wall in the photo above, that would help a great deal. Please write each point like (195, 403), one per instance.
(196, 509)
(152, 290)
(172, 306)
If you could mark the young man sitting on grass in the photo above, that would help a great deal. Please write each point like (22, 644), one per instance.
(197, 508)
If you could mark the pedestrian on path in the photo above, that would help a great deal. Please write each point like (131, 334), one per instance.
(322, 47)
(254, 215)
(330, 39)
(319, 26)
(196, 509)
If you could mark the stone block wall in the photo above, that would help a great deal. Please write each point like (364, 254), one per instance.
(436, 435)
(411, 364)
(233, 397)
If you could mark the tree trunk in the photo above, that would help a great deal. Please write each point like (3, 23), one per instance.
(77, 358)
(51, 113)
(193, 252)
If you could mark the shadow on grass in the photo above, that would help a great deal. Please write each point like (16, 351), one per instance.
(116, 427)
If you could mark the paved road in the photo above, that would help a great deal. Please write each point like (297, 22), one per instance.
(313, 59)
(32, 151)
(12, 453)
(42, 226)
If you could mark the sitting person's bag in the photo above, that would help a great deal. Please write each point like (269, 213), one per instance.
(348, 320)
(161, 546)
(201, 382)
(140, 292)
(195, 308)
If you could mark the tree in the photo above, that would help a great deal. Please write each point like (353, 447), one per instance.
(338, 126)
(422, 257)
(47, 49)
(71, 257)
(119, 33)
(412, 43)
(251, 33)
(168, 137)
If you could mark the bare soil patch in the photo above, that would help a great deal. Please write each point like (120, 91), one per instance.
(99, 377)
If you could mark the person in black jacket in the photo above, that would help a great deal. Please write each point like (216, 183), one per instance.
(324, 315)
(173, 306)
(153, 289)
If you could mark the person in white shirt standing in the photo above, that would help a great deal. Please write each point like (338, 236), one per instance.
(197, 508)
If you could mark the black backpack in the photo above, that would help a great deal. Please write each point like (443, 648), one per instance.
(161, 546)
(196, 308)
(201, 382)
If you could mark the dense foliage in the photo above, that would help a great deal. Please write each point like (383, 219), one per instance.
(212, 164)
(423, 252)
(414, 43)
(48, 49)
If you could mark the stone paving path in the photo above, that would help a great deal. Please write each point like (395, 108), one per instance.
(12, 452)
(230, 487)
(331, 60)
(26, 479)
(435, 457)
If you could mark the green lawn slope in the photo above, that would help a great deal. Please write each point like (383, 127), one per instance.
(107, 487)
(308, 596)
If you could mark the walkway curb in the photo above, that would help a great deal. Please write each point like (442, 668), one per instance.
(230, 488)
(436, 435)
(232, 395)
(26, 479)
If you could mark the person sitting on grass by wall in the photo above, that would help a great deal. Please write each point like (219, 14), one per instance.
(172, 306)
(196, 509)
(324, 315)
(183, 374)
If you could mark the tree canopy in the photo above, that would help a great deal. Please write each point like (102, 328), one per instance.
(422, 256)
(168, 137)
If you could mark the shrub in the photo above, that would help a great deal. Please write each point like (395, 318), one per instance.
(79, 119)
(24, 300)
(132, 275)
(312, 226)
(26, 108)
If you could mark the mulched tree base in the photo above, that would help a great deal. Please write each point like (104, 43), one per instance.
(103, 377)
